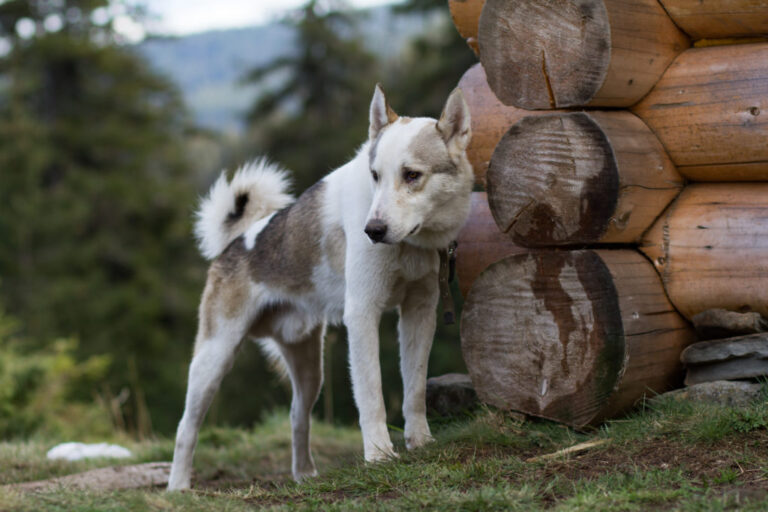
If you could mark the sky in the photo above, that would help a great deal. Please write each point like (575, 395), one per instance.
(179, 17)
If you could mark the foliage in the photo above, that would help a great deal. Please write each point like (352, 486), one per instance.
(95, 202)
(36, 389)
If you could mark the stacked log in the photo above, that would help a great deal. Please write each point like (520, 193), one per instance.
(542, 54)
(710, 110)
(711, 248)
(571, 336)
(579, 178)
(565, 317)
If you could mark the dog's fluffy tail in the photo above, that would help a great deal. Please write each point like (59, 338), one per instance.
(256, 190)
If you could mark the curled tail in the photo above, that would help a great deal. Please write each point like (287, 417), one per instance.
(257, 189)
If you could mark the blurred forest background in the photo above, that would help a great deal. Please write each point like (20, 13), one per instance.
(105, 147)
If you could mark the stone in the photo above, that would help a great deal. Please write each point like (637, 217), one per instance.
(742, 357)
(450, 395)
(715, 324)
(740, 347)
(722, 392)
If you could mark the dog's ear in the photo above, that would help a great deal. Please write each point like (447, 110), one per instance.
(454, 124)
(381, 113)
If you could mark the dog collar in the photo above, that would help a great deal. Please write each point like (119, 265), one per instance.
(444, 278)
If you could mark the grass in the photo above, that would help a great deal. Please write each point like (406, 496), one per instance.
(668, 455)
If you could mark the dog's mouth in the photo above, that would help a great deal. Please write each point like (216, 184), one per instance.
(416, 228)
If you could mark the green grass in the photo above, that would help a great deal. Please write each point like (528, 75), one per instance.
(668, 455)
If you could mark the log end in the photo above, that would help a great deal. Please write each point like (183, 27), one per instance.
(542, 333)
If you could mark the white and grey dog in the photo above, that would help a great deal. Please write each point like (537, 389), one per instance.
(360, 241)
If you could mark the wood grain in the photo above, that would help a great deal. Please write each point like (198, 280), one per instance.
(571, 336)
(546, 54)
(579, 178)
(710, 111)
(466, 16)
(711, 248)
(480, 243)
(714, 19)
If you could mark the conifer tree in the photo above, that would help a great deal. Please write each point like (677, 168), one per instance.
(95, 201)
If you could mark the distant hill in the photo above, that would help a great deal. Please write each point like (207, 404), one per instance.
(208, 66)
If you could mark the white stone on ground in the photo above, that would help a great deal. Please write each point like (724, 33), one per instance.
(79, 451)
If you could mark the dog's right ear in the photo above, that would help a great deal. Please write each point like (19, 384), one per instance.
(381, 113)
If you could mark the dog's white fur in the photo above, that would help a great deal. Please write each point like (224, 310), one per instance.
(332, 272)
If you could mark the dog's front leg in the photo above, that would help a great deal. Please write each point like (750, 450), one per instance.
(417, 328)
(362, 321)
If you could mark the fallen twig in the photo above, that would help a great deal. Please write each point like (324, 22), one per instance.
(567, 451)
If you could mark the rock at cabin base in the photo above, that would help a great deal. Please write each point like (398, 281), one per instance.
(450, 394)
(722, 392)
(715, 324)
(742, 357)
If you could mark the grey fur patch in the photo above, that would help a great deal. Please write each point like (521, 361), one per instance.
(288, 248)
(429, 150)
(335, 249)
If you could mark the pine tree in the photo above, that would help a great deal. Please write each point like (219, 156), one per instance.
(95, 202)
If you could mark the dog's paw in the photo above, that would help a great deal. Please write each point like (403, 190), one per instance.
(380, 453)
(303, 476)
(418, 440)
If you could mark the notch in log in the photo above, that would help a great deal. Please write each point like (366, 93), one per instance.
(490, 119)
(575, 337)
(480, 243)
(546, 54)
(579, 178)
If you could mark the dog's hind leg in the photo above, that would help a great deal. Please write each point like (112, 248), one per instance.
(417, 328)
(214, 354)
(304, 360)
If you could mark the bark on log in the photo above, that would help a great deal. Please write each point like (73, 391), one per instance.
(576, 337)
(719, 19)
(542, 54)
(710, 111)
(579, 178)
(490, 119)
(711, 248)
(480, 244)
(466, 16)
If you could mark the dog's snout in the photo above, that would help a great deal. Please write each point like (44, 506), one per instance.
(376, 230)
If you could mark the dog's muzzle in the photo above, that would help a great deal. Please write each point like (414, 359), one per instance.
(376, 230)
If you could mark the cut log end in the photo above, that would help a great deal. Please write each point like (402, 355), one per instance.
(560, 51)
(542, 333)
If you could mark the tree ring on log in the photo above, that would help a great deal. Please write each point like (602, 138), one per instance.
(559, 50)
(554, 180)
(542, 333)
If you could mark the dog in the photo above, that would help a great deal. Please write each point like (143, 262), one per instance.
(362, 240)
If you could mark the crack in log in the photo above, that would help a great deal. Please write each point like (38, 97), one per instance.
(517, 216)
(552, 102)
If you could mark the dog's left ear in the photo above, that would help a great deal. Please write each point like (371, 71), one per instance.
(381, 113)
(454, 124)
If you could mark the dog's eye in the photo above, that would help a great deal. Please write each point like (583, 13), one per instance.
(375, 176)
(410, 175)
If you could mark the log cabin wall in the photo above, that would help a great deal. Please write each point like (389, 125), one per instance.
(610, 192)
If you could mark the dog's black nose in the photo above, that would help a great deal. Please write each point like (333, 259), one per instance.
(376, 230)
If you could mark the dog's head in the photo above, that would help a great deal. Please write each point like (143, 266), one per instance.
(420, 174)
